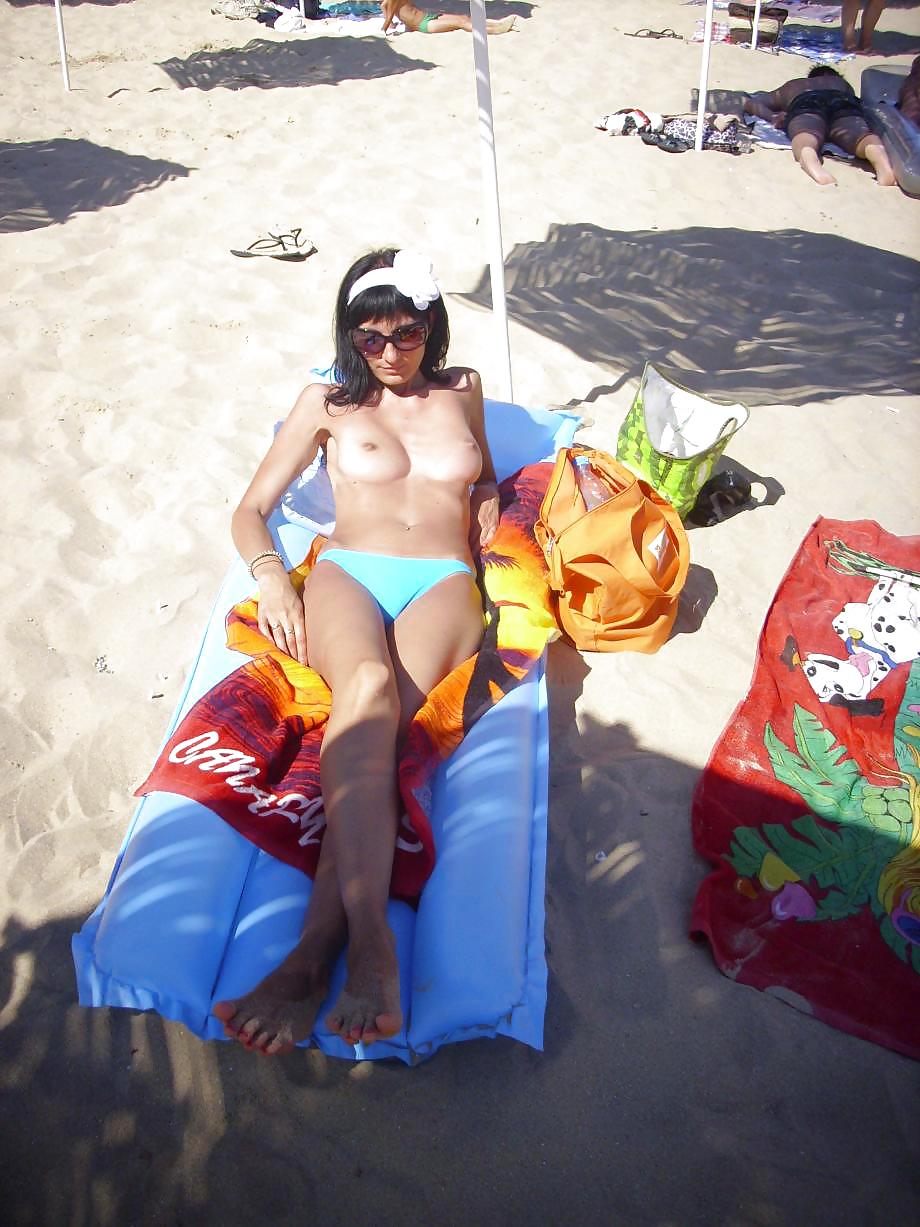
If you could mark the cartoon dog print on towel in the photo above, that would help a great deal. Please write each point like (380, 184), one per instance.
(879, 634)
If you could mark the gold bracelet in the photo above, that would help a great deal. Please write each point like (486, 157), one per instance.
(263, 557)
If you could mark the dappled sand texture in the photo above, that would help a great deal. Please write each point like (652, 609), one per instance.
(144, 368)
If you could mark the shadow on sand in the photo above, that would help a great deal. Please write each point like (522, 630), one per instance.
(784, 317)
(884, 42)
(113, 1117)
(302, 61)
(43, 182)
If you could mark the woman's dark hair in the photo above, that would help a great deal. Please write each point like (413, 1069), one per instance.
(356, 384)
(824, 70)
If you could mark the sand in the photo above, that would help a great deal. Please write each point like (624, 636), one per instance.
(143, 369)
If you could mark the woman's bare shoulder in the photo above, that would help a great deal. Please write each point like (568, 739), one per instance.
(462, 379)
(309, 415)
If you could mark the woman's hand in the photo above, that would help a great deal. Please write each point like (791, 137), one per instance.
(483, 515)
(281, 613)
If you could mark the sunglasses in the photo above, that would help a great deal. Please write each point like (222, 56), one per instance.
(409, 336)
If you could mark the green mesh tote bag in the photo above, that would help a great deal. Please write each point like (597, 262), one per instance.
(672, 437)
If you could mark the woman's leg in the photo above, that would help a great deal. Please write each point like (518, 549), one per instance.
(348, 646)
(344, 623)
(808, 133)
(853, 134)
(436, 633)
(873, 12)
(281, 1010)
(848, 15)
(431, 637)
(445, 23)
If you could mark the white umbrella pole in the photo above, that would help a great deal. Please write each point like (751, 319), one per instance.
(491, 205)
(60, 28)
(704, 77)
(756, 32)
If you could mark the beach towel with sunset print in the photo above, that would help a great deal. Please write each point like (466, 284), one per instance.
(810, 803)
(249, 749)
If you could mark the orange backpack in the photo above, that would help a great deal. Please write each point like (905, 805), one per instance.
(617, 569)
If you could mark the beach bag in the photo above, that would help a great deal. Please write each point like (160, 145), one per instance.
(616, 569)
(672, 437)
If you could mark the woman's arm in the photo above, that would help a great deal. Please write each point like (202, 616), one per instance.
(281, 616)
(484, 497)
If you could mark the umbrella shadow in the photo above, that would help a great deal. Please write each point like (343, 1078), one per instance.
(296, 62)
(137, 1121)
(785, 317)
(44, 182)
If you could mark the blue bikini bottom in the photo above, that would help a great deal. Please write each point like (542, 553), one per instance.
(392, 581)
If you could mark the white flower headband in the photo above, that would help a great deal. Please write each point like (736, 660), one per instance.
(412, 274)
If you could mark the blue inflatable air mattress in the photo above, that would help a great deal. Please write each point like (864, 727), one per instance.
(194, 913)
(879, 90)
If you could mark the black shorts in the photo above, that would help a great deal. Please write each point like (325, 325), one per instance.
(828, 104)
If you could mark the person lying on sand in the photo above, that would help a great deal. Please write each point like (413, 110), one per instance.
(436, 23)
(816, 109)
(848, 15)
(389, 609)
(909, 97)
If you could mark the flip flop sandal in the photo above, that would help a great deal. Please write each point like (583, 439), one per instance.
(279, 246)
(646, 33)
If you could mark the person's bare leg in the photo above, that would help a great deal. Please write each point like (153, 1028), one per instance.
(431, 637)
(358, 768)
(447, 23)
(452, 610)
(281, 1010)
(853, 134)
(873, 150)
(870, 18)
(806, 148)
(848, 15)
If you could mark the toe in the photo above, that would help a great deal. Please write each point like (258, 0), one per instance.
(261, 1040)
(225, 1011)
(388, 1024)
(382, 1027)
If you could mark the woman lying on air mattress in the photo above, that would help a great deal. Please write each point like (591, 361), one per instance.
(390, 608)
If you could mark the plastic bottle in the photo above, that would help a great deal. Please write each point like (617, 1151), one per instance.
(591, 486)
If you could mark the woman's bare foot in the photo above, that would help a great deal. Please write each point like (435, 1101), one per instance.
(281, 1010)
(814, 168)
(877, 157)
(368, 1007)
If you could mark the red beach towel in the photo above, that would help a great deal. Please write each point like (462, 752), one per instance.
(249, 749)
(810, 804)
